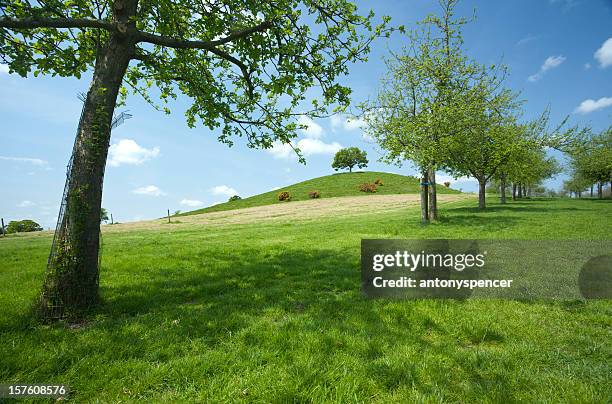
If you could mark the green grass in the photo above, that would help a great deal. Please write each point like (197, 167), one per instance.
(341, 184)
(272, 312)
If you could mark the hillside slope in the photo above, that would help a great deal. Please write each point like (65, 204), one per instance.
(341, 184)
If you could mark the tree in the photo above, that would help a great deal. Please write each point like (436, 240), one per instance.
(591, 160)
(349, 158)
(415, 107)
(493, 143)
(576, 185)
(245, 64)
(104, 215)
(22, 226)
(234, 198)
(528, 168)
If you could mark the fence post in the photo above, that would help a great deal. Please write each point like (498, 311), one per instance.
(2, 232)
(168, 215)
(112, 221)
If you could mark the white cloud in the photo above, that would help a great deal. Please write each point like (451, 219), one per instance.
(127, 151)
(313, 130)
(4, 68)
(280, 150)
(36, 162)
(307, 146)
(316, 146)
(604, 54)
(192, 203)
(588, 106)
(587, 66)
(150, 190)
(223, 190)
(25, 204)
(526, 40)
(346, 123)
(550, 63)
(442, 178)
(275, 189)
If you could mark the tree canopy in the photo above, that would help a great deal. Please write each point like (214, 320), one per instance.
(349, 158)
(245, 64)
(22, 226)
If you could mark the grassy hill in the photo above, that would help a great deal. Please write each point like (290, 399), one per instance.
(341, 184)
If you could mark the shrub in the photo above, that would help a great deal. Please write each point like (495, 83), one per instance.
(447, 184)
(379, 182)
(284, 196)
(367, 187)
(234, 198)
(314, 194)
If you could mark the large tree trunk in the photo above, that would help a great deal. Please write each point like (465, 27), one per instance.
(502, 196)
(432, 197)
(600, 189)
(424, 202)
(591, 190)
(514, 191)
(520, 190)
(482, 185)
(72, 283)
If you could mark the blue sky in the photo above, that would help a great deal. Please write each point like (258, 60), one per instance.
(559, 53)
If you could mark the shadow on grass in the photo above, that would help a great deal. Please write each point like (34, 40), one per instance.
(489, 222)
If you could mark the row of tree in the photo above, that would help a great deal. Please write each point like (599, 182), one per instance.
(441, 110)
(591, 165)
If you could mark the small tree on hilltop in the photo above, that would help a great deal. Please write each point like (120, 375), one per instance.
(349, 158)
(22, 226)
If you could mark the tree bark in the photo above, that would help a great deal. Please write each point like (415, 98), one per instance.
(424, 197)
(482, 185)
(591, 190)
(524, 191)
(514, 191)
(73, 284)
(502, 196)
(432, 197)
(600, 189)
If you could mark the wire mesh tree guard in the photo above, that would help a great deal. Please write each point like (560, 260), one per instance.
(54, 306)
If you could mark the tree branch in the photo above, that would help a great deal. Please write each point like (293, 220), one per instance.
(43, 22)
(208, 45)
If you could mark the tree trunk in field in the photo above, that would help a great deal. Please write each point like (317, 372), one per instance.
(514, 191)
(600, 190)
(520, 190)
(432, 197)
(74, 285)
(424, 197)
(350, 169)
(591, 190)
(579, 194)
(502, 196)
(482, 185)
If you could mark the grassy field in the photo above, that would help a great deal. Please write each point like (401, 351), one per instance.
(341, 184)
(272, 312)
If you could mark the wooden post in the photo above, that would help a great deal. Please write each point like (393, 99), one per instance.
(2, 227)
(112, 221)
(168, 215)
